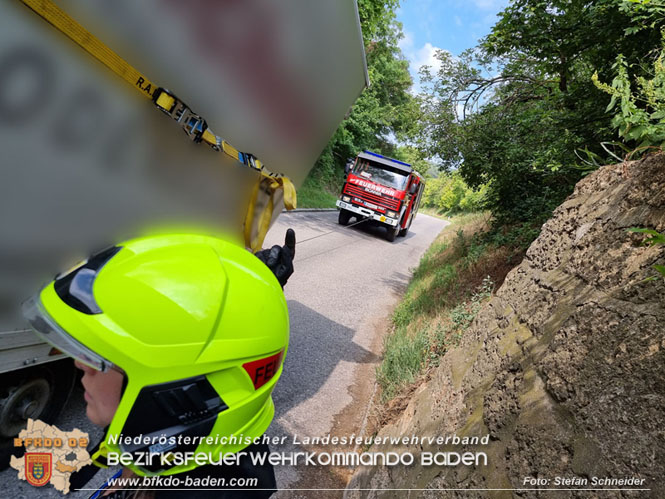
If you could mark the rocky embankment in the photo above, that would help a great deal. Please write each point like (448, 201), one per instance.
(565, 367)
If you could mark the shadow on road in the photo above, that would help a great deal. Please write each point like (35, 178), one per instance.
(397, 281)
(316, 346)
(328, 222)
(379, 231)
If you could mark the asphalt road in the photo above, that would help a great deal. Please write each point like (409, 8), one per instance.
(346, 282)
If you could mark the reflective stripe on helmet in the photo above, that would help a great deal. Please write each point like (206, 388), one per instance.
(261, 371)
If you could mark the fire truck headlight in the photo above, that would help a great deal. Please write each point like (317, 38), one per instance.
(391, 214)
(346, 199)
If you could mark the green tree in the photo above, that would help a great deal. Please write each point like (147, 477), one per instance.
(448, 193)
(385, 109)
(415, 157)
(513, 112)
(640, 115)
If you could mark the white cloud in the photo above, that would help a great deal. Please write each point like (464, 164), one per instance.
(406, 43)
(418, 57)
(426, 56)
(458, 21)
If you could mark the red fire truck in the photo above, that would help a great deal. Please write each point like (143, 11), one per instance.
(381, 189)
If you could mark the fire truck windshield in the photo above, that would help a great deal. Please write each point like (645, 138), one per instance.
(381, 174)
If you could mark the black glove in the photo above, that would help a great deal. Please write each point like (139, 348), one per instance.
(279, 259)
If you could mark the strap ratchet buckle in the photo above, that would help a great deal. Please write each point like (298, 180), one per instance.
(167, 102)
(249, 159)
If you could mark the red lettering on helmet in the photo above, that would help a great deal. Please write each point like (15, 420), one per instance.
(261, 371)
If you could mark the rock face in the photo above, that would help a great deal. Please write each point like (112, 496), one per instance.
(564, 367)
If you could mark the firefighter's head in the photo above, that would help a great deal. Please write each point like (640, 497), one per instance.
(184, 334)
(103, 391)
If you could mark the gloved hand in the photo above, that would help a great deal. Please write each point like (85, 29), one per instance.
(279, 259)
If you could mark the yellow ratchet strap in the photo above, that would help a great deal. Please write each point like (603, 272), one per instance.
(267, 194)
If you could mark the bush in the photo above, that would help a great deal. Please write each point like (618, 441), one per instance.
(640, 117)
(449, 194)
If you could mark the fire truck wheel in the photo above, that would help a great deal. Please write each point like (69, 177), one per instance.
(344, 217)
(392, 232)
(403, 232)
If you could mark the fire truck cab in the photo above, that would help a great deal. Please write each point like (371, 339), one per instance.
(384, 190)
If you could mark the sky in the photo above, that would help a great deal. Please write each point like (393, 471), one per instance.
(453, 25)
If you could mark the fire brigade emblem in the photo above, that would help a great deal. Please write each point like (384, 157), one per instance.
(37, 468)
(51, 455)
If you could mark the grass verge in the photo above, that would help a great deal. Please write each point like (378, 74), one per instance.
(433, 212)
(456, 275)
(316, 192)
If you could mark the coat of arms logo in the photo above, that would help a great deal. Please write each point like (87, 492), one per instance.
(38, 468)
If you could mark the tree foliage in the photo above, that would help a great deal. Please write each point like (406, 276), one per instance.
(512, 112)
(448, 193)
(640, 114)
(385, 109)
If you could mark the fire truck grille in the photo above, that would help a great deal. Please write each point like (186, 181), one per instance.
(385, 201)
